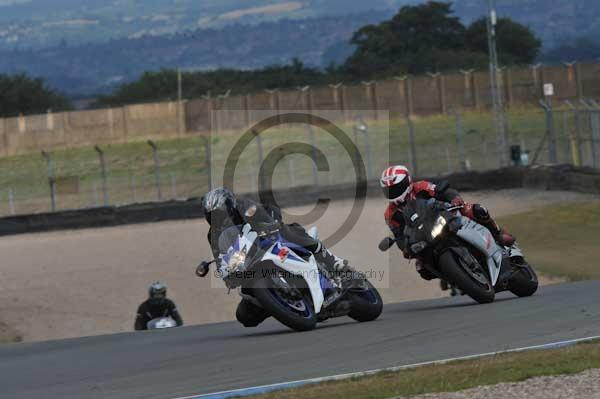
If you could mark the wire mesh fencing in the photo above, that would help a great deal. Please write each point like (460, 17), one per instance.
(295, 154)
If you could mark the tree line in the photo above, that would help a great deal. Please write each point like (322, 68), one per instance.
(420, 38)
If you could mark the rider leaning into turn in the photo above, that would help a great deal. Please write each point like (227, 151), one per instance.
(398, 188)
(222, 209)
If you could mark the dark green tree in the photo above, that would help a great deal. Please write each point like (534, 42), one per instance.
(417, 39)
(429, 37)
(517, 44)
(20, 94)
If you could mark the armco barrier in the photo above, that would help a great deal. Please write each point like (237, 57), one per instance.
(546, 178)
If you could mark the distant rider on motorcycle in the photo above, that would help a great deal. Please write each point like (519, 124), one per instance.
(398, 188)
(222, 209)
(156, 306)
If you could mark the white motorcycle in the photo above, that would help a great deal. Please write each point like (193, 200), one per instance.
(462, 252)
(284, 279)
(161, 323)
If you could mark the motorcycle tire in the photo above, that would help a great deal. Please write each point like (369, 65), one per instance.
(367, 304)
(274, 304)
(468, 284)
(524, 282)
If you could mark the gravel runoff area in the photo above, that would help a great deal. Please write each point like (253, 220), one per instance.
(89, 282)
(585, 385)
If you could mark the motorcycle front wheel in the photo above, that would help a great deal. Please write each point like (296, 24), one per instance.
(475, 284)
(296, 312)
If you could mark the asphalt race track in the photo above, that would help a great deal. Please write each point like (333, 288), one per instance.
(216, 357)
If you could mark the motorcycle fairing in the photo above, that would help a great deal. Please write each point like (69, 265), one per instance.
(481, 238)
(308, 270)
(292, 262)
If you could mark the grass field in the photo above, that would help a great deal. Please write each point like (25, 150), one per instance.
(184, 172)
(560, 240)
(454, 376)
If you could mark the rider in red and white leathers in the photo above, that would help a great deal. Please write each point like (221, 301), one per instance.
(398, 188)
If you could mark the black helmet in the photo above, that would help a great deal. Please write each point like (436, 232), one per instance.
(157, 293)
(218, 205)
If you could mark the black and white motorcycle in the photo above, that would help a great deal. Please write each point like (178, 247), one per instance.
(285, 279)
(462, 252)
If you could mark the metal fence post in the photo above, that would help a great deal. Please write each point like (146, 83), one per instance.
(595, 125)
(550, 132)
(460, 144)
(363, 128)
(413, 146)
(260, 158)
(154, 147)
(595, 115)
(103, 172)
(313, 144)
(51, 179)
(208, 156)
(576, 139)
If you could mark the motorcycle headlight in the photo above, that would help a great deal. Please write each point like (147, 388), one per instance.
(438, 227)
(236, 261)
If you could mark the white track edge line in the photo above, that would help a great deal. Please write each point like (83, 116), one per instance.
(293, 384)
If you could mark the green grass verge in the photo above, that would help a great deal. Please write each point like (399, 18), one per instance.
(560, 240)
(454, 376)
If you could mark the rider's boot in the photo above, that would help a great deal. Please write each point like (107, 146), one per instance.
(338, 266)
(501, 236)
(483, 217)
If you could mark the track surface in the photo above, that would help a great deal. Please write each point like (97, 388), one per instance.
(203, 359)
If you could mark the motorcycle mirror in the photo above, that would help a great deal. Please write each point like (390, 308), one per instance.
(203, 268)
(386, 244)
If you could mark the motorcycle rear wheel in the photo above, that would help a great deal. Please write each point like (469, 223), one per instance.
(367, 304)
(467, 283)
(524, 282)
(280, 309)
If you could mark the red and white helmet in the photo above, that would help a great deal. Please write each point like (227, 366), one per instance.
(396, 183)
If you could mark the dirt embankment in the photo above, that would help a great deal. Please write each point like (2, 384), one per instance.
(87, 282)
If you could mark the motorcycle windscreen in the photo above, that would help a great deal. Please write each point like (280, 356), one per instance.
(419, 217)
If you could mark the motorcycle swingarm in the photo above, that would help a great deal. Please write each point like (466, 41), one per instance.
(508, 270)
(341, 308)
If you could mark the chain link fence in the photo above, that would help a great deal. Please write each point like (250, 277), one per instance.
(181, 168)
